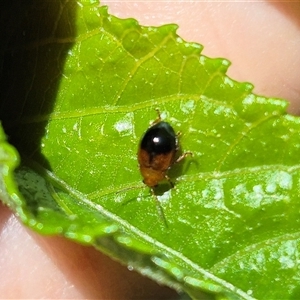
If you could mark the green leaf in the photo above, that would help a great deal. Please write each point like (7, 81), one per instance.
(90, 86)
(9, 160)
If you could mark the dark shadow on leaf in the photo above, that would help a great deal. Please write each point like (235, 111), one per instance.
(35, 39)
(162, 188)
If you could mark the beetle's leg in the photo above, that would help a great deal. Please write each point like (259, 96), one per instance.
(169, 180)
(181, 157)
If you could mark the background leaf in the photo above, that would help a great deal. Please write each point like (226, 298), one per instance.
(92, 83)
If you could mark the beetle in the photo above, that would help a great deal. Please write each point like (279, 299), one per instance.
(157, 152)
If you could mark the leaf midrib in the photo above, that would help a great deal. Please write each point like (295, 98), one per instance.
(177, 256)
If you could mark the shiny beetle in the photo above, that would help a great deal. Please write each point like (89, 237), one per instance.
(157, 152)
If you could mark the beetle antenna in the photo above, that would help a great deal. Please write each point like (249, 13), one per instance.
(130, 188)
(159, 209)
(158, 119)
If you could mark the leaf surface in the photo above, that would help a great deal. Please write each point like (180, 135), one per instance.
(231, 223)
